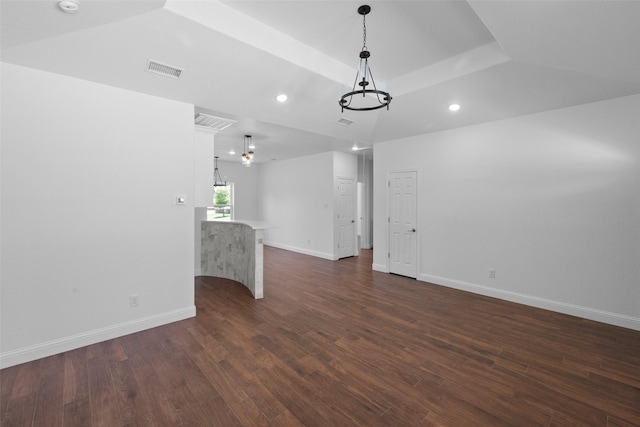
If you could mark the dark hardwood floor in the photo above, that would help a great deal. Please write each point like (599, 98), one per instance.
(335, 344)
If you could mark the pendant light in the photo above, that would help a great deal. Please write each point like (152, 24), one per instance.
(247, 157)
(217, 180)
(364, 77)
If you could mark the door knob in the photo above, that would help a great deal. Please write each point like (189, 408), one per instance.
(413, 230)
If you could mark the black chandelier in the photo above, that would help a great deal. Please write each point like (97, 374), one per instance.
(217, 180)
(364, 73)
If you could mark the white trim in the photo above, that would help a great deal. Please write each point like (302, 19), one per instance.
(380, 267)
(324, 255)
(49, 348)
(533, 301)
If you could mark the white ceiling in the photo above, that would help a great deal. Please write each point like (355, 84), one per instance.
(497, 59)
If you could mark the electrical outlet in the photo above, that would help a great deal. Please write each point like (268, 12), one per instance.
(492, 273)
(134, 300)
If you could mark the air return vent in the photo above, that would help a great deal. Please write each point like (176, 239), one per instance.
(345, 122)
(163, 69)
(213, 122)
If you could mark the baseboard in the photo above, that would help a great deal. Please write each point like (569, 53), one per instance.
(324, 255)
(27, 354)
(602, 316)
(380, 267)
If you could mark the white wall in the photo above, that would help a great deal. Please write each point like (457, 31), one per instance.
(297, 196)
(89, 176)
(245, 188)
(551, 201)
(203, 140)
(345, 165)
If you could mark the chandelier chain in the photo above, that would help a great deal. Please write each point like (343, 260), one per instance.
(364, 32)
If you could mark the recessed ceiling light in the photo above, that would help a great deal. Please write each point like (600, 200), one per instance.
(68, 6)
(454, 107)
(281, 98)
(232, 152)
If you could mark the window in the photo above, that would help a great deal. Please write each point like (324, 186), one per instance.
(222, 209)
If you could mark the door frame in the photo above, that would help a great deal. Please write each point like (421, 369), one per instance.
(388, 215)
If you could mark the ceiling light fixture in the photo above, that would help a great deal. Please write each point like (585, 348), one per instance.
(364, 72)
(358, 148)
(281, 98)
(454, 107)
(247, 157)
(68, 6)
(217, 180)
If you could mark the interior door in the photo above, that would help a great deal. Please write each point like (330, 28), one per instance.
(403, 242)
(346, 217)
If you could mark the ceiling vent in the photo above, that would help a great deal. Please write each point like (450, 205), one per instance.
(213, 122)
(345, 122)
(164, 69)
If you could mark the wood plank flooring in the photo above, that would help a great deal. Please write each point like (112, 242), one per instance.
(335, 344)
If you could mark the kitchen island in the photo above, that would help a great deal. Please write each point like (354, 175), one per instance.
(234, 250)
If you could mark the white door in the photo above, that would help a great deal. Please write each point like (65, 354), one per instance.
(346, 217)
(403, 242)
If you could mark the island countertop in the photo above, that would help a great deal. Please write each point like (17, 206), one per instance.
(256, 225)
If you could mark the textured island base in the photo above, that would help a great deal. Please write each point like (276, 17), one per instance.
(233, 250)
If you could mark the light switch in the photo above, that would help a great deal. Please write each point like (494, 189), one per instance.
(181, 200)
